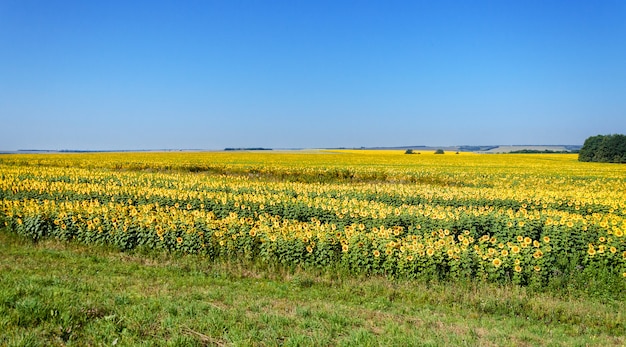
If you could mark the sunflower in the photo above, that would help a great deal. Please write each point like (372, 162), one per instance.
(376, 253)
(518, 268)
(179, 240)
(497, 262)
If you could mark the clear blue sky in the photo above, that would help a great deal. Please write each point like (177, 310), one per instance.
(214, 74)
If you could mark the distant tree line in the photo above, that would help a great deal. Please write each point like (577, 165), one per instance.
(604, 148)
(439, 151)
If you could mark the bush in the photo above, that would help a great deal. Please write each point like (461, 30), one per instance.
(604, 148)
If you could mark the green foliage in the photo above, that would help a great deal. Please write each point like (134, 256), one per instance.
(604, 148)
(409, 151)
(439, 151)
(98, 296)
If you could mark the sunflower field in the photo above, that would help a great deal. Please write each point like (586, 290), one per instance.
(519, 218)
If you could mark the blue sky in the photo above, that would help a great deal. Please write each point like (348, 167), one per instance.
(284, 74)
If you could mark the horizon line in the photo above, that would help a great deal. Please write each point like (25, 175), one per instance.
(475, 147)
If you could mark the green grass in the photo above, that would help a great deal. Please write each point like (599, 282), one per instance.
(54, 293)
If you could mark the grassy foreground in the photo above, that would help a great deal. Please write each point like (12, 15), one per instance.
(59, 293)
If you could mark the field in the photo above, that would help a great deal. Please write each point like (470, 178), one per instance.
(507, 149)
(540, 222)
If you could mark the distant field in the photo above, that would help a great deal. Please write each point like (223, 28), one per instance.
(508, 149)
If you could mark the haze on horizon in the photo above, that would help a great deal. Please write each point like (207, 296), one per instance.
(119, 75)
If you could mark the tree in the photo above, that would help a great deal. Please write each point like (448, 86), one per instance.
(409, 151)
(439, 151)
(604, 148)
